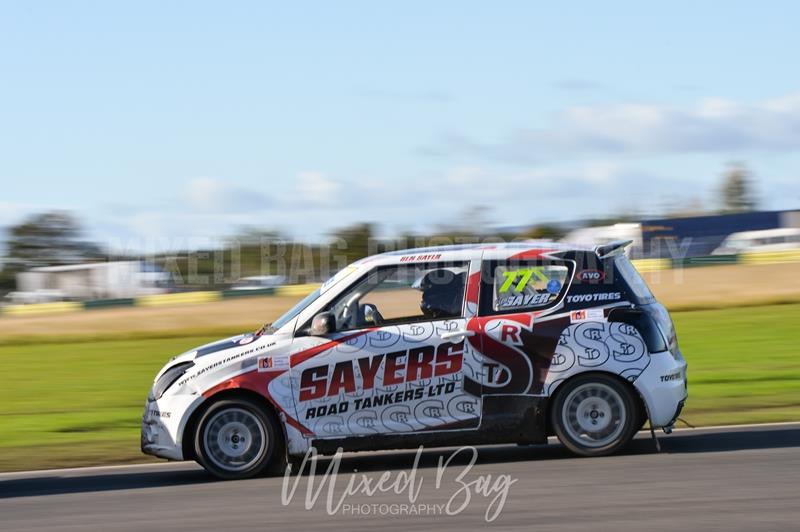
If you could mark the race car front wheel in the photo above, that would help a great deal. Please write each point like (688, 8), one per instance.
(595, 414)
(236, 439)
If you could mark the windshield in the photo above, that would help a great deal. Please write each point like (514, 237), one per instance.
(294, 311)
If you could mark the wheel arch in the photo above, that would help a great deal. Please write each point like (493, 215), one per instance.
(641, 403)
(187, 436)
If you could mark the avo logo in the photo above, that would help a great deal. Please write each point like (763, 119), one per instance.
(590, 276)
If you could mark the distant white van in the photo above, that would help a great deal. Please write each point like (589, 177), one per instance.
(765, 240)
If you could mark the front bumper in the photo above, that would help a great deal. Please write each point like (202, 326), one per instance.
(663, 387)
(163, 422)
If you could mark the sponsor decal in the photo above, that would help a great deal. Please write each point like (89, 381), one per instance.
(382, 400)
(671, 377)
(590, 276)
(412, 258)
(616, 347)
(467, 407)
(224, 362)
(246, 340)
(521, 278)
(506, 366)
(592, 298)
(398, 367)
(272, 363)
(554, 286)
(160, 413)
(524, 301)
(589, 314)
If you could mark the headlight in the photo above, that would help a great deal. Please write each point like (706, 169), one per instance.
(169, 377)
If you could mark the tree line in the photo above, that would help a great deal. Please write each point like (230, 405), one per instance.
(56, 238)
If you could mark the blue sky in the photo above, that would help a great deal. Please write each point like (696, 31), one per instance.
(168, 121)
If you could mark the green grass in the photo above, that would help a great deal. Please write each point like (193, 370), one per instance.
(80, 403)
(744, 364)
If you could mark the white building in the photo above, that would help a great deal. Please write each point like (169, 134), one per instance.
(98, 280)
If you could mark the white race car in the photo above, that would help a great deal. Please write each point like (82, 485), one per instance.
(456, 345)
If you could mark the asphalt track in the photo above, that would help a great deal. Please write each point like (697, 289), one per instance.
(706, 479)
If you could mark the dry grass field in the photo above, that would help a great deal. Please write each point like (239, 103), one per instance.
(683, 289)
(731, 285)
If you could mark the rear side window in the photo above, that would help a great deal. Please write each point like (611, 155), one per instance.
(521, 286)
(636, 284)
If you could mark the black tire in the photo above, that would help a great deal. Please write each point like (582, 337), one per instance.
(643, 420)
(595, 414)
(237, 439)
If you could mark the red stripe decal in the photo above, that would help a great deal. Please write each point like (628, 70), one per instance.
(534, 253)
(302, 356)
(473, 286)
(258, 382)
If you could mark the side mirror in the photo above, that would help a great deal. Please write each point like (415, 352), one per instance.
(322, 324)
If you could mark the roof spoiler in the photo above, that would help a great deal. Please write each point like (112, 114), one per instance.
(612, 248)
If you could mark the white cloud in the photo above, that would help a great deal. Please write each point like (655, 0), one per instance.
(315, 203)
(465, 176)
(317, 188)
(553, 192)
(209, 195)
(711, 125)
(602, 172)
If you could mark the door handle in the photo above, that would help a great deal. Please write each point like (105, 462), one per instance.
(455, 334)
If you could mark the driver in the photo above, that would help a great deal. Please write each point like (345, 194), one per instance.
(442, 293)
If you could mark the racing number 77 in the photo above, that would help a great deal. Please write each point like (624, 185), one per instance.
(525, 276)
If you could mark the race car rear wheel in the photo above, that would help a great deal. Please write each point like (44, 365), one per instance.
(236, 439)
(595, 415)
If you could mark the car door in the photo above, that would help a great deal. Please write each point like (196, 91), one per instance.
(517, 343)
(395, 362)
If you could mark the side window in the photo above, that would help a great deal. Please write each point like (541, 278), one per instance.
(404, 293)
(521, 286)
